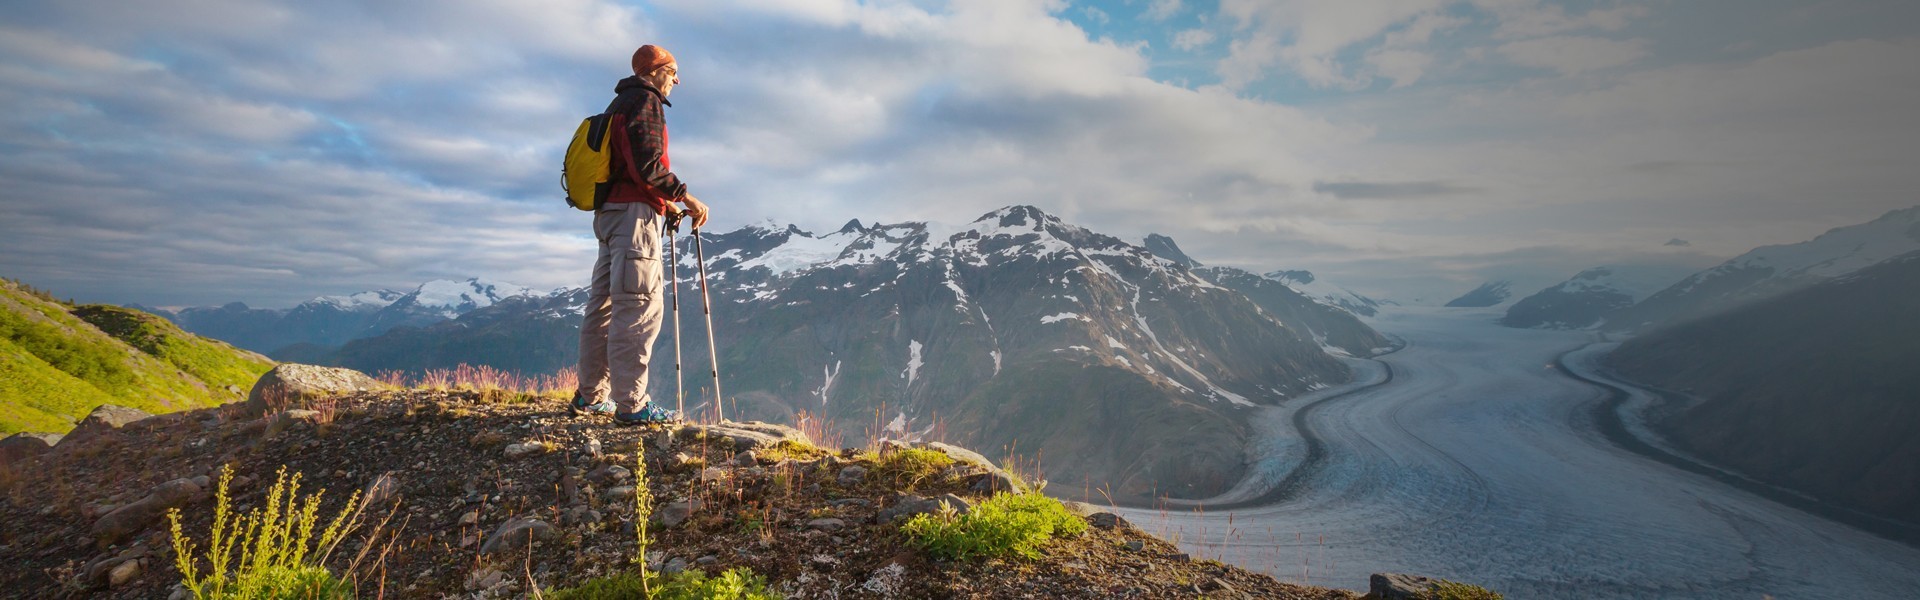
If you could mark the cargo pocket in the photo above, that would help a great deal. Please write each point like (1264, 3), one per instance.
(638, 273)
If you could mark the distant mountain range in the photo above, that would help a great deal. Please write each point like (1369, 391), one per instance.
(334, 320)
(1773, 270)
(1589, 297)
(1017, 332)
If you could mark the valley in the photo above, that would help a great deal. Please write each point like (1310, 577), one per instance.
(1476, 459)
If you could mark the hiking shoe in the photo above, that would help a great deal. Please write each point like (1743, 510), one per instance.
(651, 413)
(579, 405)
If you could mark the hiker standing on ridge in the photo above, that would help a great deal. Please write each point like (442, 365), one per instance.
(624, 311)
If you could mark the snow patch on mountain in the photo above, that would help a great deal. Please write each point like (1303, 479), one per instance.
(368, 300)
(1325, 292)
(913, 361)
(457, 297)
(1050, 319)
(1837, 252)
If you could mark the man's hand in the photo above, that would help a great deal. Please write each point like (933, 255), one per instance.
(695, 209)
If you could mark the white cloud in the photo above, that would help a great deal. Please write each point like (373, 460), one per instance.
(1161, 10)
(1532, 18)
(1305, 36)
(1574, 54)
(1189, 39)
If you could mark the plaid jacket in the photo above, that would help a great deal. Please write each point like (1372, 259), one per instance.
(643, 171)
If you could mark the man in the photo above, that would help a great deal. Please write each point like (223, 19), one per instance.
(624, 311)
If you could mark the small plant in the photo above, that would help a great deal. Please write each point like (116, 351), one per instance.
(279, 558)
(642, 513)
(1005, 525)
(733, 584)
(909, 467)
(1454, 590)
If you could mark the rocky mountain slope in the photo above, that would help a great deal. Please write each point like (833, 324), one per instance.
(1492, 293)
(329, 321)
(494, 494)
(1590, 297)
(1017, 333)
(1325, 292)
(1813, 389)
(59, 361)
(1772, 270)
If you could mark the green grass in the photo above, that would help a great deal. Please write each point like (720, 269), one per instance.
(1004, 526)
(56, 367)
(907, 468)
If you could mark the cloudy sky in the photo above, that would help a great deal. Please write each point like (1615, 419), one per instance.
(175, 152)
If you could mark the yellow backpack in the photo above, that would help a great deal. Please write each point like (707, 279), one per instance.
(587, 173)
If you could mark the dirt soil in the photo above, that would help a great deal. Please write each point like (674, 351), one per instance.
(465, 462)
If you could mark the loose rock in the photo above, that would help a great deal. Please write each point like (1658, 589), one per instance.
(517, 534)
(852, 475)
(381, 490)
(132, 518)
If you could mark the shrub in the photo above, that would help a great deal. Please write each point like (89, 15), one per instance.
(279, 557)
(1004, 525)
(1454, 590)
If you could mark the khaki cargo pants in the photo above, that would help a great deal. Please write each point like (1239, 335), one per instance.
(624, 308)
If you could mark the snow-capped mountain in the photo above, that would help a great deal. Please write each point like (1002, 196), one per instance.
(1325, 292)
(1015, 331)
(1492, 293)
(370, 300)
(329, 321)
(1589, 297)
(1771, 270)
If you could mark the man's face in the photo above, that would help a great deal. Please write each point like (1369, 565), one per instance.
(666, 77)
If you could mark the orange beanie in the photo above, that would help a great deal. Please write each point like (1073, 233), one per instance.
(650, 57)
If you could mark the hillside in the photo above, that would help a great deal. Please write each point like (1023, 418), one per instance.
(58, 361)
(495, 494)
(1039, 338)
(1591, 297)
(1769, 271)
(1814, 389)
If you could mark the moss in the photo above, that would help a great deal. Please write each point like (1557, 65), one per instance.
(1454, 590)
(1004, 526)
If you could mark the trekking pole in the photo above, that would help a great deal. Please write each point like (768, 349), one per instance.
(673, 272)
(706, 306)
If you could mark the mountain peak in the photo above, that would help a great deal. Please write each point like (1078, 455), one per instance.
(1164, 247)
(853, 226)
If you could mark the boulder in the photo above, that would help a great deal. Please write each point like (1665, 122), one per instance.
(105, 419)
(1107, 520)
(517, 533)
(1399, 586)
(22, 446)
(293, 385)
(136, 516)
(996, 479)
(751, 435)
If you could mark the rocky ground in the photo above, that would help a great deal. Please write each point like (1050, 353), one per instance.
(492, 494)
